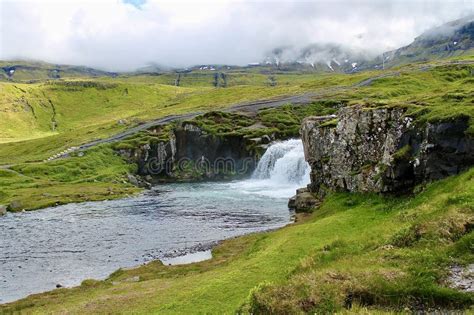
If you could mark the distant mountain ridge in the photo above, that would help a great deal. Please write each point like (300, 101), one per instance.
(316, 57)
(38, 70)
(451, 39)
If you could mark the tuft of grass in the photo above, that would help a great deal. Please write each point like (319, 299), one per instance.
(403, 153)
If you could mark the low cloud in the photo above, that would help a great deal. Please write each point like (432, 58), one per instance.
(125, 35)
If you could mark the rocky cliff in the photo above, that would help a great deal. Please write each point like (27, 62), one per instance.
(382, 150)
(189, 153)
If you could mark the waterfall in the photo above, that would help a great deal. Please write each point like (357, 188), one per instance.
(284, 163)
(280, 171)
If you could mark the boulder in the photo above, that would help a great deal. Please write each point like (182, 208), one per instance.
(3, 210)
(292, 202)
(15, 205)
(132, 179)
(138, 181)
(303, 201)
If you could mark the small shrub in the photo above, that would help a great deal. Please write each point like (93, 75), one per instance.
(407, 237)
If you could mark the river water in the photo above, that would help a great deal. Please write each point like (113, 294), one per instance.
(67, 244)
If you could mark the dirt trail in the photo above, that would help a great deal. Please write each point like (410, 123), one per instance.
(242, 107)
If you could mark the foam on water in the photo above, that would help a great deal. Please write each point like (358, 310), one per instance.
(280, 171)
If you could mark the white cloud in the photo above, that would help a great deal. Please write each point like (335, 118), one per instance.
(114, 35)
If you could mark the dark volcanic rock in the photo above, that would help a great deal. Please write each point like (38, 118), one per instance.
(192, 154)
(382, 150)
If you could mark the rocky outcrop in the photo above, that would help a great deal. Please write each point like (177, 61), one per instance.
(303, 201)
(190, 153)
(15, 205)
(382, 150)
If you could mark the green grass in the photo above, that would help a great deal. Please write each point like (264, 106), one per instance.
(84, 113)
(283, 122)
(99, 174)
(387, 253)
(286, 121)
(442, 92)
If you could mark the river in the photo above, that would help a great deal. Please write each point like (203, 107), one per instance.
(70, 243)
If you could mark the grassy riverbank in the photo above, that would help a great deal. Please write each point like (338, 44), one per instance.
(97, 175)
(382, 254)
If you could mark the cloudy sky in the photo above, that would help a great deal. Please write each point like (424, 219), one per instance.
(127, 34)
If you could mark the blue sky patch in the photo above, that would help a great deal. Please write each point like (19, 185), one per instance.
(135, 3)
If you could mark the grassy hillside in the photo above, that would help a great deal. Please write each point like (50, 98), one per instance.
(379, 254)
(43, 119)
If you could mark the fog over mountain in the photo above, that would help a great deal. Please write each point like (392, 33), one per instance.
(124, 35)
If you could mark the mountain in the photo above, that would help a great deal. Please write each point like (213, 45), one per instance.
(451, 39)
(316, 57)
(38, 70)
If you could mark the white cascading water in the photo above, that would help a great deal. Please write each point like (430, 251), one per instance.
(280, 171)
(284, 163)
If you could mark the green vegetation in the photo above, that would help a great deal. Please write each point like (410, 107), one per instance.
(99, 174)
(287, 119)
(40, 120)
(378, 254)
(284, 121)
(45, 118)
(437, 93)
(150, 136)
(403, 153)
